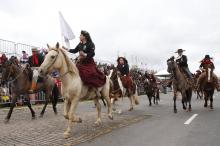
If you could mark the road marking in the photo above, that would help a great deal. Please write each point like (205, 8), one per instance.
(190, 119)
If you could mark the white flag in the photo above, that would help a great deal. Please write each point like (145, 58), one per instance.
(66, 31)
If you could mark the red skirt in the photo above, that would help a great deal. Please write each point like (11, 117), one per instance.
(127, 81)
(90, 74)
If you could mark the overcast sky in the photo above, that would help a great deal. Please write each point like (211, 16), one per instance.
(152, 30)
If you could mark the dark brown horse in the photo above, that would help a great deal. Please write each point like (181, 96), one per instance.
(208, 86)
(180, 84)
(20, 79)
(151, 91)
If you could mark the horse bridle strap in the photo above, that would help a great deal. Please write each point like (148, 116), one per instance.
(11, 81)
(61, 76)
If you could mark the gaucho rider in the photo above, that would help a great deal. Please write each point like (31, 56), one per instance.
(88, 71)
(207, 61)
(181, 60)
(35, 61)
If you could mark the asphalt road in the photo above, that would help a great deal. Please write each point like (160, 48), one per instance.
(201, 127)
(144, 126)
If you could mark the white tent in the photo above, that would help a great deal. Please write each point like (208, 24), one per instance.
(162, 73)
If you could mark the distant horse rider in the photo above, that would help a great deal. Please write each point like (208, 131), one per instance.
(181, 60)
(123, 68)
(207, 62)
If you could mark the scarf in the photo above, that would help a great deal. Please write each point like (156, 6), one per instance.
(35, 59)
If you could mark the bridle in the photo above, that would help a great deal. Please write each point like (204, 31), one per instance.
(54, 60)
(9, 75)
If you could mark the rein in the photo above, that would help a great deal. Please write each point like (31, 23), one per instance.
(11, 81)
(63, 75)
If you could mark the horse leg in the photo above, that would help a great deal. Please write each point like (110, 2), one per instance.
(206, 99)
(54, 98)
(29, 106)
(72, 117)
(105, 95)
(211, 101)
(131, 103)
(189, 95)
(174, 103)
(183, 103)
(98, 106)
(11, 110)
(184, 99)
(149, 98)
(66, 108)
(44, 108)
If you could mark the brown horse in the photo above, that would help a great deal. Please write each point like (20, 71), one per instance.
(19, 79)
(151, 91)
(180, 84)
(119, 90)
(208, 85)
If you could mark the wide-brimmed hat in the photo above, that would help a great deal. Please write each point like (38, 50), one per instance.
(208, 57)
(34, 49)
(179, 51)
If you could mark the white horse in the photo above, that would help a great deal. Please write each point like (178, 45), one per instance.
(73, 89)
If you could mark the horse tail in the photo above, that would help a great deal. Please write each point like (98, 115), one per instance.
(136, 101)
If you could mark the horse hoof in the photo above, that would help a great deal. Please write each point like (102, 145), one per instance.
(110, 117)
(131, 109)
(114, 109)
(184, 108)
(33, 118)
(98, 122)
(175, 111)
(149, 104)
(66, 135)
(41, 116)
(6, 121)
(66, 117)
(205, 105)
(80, 120)
(211, 107)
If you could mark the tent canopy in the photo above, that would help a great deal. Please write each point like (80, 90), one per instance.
(162, 73)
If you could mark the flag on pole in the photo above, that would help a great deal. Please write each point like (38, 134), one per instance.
(66, 31)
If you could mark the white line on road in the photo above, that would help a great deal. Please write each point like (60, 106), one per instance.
(190, 119)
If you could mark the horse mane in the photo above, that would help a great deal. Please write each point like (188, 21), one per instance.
(71, 66)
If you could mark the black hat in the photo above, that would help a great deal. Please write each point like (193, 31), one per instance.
(179, 51)
(207, 57)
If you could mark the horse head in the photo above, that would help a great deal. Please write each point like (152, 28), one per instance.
(171, 65)
(52, 60)
(8, 71)
(114, 74)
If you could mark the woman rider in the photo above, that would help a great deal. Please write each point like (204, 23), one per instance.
(88, 71)
(123, 68)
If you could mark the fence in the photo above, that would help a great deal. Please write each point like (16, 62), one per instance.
(11, 48)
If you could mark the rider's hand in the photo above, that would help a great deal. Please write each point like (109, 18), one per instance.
(81, 53)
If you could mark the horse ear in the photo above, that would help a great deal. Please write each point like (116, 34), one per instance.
(57, 45)
(48, 46)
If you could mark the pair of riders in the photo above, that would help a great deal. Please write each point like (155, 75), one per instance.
(181, 60)
(88, 71)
